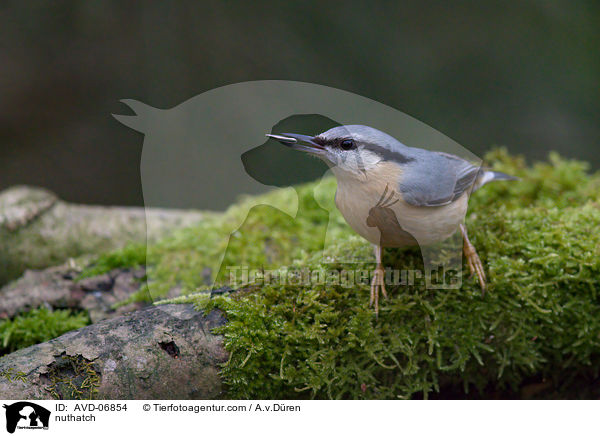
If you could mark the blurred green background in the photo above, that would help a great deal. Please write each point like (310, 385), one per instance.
(522, 74)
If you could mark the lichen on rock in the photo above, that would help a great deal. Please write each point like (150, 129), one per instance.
(160, 353)
(72, 378)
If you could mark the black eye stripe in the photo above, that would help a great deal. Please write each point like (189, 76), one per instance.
(384, 152)
(388, 154)
(341, 143)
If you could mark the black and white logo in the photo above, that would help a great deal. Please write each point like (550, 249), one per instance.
(26, 415)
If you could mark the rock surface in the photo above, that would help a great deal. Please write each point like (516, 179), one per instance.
(161, 352)
(56, 288)
(38, 230)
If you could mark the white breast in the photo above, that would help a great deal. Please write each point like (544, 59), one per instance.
(357, 199)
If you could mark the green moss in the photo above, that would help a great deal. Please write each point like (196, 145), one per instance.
(38, 325)
(540, 319)
(11, 375)
(72, 378)
(133, 255)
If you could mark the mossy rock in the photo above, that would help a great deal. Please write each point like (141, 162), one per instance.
(539, 241)
(38, 325)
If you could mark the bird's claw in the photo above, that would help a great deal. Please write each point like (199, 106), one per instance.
(475, 265)
(377, 284)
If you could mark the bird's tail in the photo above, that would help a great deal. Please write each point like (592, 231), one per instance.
(486, 176)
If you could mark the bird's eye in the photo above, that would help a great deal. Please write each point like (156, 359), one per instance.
(347, 144)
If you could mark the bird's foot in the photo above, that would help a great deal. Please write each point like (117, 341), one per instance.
(475, 265)
(377, 284)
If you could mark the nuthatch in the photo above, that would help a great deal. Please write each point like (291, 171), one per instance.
(396, 196)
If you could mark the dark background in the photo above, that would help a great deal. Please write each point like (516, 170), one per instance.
(524, 74)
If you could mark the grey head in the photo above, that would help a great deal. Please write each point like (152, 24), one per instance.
(351, 148)
(428, 178)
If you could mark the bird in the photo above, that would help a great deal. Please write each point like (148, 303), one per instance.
(394, 195)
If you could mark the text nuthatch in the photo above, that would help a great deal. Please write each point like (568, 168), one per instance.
(396, 196)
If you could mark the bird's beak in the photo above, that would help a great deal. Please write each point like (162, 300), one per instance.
(299, 142)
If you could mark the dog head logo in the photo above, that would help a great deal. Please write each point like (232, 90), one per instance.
(207, 151)
(26, 415)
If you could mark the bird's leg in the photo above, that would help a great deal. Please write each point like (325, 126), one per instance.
(378, 282)
(473, 260)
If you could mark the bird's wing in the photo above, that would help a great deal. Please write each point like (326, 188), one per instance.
(436, 179)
